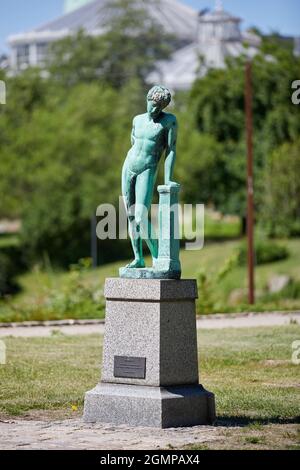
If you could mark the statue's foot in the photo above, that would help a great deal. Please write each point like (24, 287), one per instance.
(136, 264)
(154, 260)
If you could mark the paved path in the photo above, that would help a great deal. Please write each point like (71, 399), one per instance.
(74, 434)
(210, 322)
(248, 320)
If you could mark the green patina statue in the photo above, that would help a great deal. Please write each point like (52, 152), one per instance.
(153, 133)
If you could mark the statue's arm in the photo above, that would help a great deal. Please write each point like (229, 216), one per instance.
(132, 133)
(171, 150)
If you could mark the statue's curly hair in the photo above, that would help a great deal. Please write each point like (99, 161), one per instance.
(160, 94)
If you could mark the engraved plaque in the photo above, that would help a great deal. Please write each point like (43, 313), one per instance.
(129, 367)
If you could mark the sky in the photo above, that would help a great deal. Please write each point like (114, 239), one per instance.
(268, 15)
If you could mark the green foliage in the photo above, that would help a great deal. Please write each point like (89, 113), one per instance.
(128, 50)
(290, 291)
(11, 265)
(26, 93)
(217, 108)
(7, 275)
(9, 241)
(266, 251)
(201, 166)
(208, 300)
(72, 153)
(280, 211)
(64, 135)
(219, 277)
(72, 299)
(75, 299)
(228, 227)
(59, 165)
(218, 98)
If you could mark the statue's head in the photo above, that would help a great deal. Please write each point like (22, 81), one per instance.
(158, 99)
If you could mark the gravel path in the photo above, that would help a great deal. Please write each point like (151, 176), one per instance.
(74, 434)
(209, 322)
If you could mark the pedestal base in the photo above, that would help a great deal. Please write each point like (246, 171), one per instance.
(161, 407)
(149, 273)
(150, 360)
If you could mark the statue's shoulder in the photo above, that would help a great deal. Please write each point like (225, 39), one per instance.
(169, 120)
(139, 117)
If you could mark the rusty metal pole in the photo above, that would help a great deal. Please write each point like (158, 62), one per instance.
(250, 201)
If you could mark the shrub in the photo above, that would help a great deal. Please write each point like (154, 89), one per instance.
(290, 291)
(74, 298)
(11, 264)
(266, 251)
(7, 274)
(280, 206)
(208, 301)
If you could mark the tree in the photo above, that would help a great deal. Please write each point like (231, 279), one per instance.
(65, 134)
(71, 169)
(217, 104)
(200, 167)
(280, 213)
(25, 93)
(129, 49)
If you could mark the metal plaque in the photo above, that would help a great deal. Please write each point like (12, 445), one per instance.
(129, 367)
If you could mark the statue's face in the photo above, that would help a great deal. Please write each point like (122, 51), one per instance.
(154, 108)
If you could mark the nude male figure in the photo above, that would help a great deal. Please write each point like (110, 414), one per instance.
(153, 133)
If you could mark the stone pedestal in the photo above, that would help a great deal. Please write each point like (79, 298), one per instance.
(150, 360)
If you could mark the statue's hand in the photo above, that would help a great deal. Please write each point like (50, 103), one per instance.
(172, 184)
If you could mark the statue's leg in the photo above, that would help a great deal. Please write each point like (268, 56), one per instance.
(128, 191)
(144, 194)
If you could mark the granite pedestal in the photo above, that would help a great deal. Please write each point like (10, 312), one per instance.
(150, 360)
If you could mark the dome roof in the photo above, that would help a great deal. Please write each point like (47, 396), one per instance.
(193, 61)
(218, 15)
(71, 5)
(175, 17)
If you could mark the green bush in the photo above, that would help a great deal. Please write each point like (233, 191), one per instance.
(72, 300)
(7, 274)
(280, 205)
(208, 301)
(266, 251)
(290, 291)
(11, 264)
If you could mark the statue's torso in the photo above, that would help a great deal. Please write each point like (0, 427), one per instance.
(150, 141)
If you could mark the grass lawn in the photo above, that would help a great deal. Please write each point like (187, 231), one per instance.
(8, 241)
(250, 370)
(57, 295)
